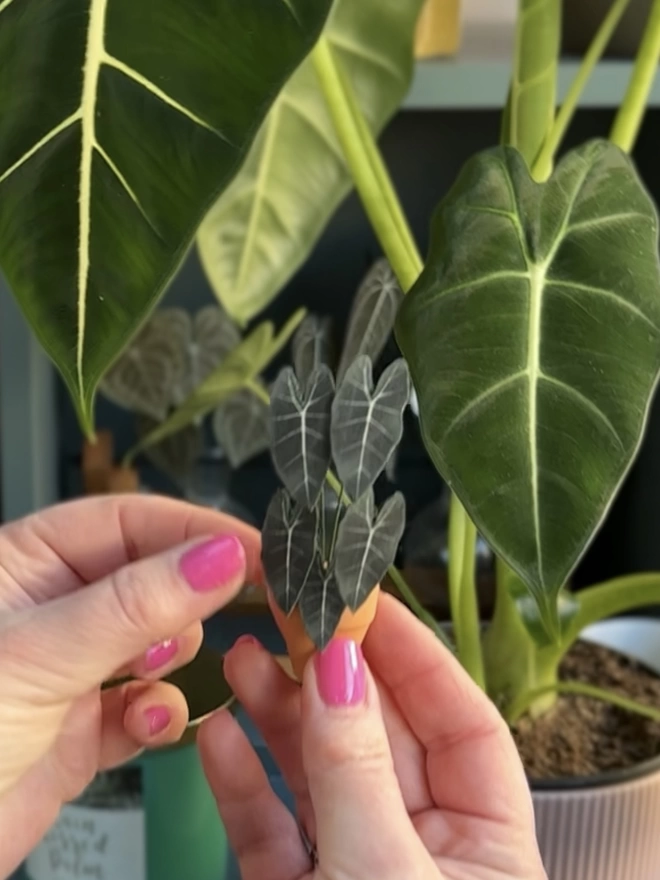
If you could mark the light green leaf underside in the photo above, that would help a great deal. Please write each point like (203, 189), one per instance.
(265, 224)
(533, 338)
(111, 149)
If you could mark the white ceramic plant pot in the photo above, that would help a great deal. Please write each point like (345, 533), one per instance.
(606, 827)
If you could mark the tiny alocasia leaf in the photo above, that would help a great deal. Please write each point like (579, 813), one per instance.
(533, 338)
(113, 148)
(300, 432)
(367, 425)
(240, 425)
(321, 605)
(367, 545)
(288, 549)
(372, 316)
(312, 346)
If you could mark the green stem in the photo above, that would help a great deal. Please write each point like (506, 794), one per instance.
(543, 164)
(631, 112)
(610, 598)
(463, 591)
(367, 169)
(258, 390)
(525, 701)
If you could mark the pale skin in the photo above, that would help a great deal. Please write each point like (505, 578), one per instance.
(418, 780)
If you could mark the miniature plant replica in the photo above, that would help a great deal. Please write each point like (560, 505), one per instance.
(323, 554)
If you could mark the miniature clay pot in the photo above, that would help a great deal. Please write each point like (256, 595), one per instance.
(97, 462)
(352, 625)
(123, 479)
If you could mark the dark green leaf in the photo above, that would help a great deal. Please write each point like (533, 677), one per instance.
(300, 432)
(120, 122)
(321, 606)
(237, 371)
(288, 549)
(267, 222)
(372, 316)
(240, 425)
(367, 545)
(367, 425)
(312, 346)
(211, 337)
(534, 343)
(177, 453)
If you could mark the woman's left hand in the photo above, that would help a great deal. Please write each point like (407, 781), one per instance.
(90, 591)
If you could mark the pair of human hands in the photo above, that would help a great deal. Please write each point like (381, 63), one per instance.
(400, 765)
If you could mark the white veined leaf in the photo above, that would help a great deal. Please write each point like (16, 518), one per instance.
(312, 346)
(288, 549)
(321, 606)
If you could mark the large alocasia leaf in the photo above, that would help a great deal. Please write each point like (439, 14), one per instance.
(120, 121)
(533, 338)
(266, 223)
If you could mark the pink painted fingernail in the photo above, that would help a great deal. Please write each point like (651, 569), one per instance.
(213, 564)
(160, 654)
(340, 673)
(158, 719)
(246, 639)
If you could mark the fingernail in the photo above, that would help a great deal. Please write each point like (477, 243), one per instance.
(246, 639)
(340, 673)
(213, 563)
(158, 719)
(160, 654)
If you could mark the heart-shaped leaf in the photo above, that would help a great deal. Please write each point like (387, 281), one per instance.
(237, 371)
(367, 425)
(372, 316)
(300, 432)
(130, 118)
(533, 337)
(321, 606)
(367, 545)
(153, 365)
(312, 346)
(240, 425)
(177, 453)
(212, 336)
(288, 549)
(266, 223)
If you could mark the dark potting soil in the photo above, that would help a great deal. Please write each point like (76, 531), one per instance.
(581, 736)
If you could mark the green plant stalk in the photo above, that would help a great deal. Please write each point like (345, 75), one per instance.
(611, 598)
(523, 703)
(258, 390)
(631, 112)
(463, 591)
(382, 206)
(544, 161)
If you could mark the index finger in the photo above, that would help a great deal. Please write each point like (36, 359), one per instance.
(473, 763)
(95, 536)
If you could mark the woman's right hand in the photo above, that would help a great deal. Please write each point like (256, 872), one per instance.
(401, 770)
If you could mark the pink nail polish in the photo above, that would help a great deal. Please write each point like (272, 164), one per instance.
(160, 654)
(246, 639)
(158, 719)
(213, 564)
(340, 673)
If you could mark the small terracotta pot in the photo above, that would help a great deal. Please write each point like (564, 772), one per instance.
(123, 479)
(97, 462)
(352, 625)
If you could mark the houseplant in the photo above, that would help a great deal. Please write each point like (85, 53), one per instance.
(538, 525)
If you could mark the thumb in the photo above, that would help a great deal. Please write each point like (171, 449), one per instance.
(74, 643)
(363, 828)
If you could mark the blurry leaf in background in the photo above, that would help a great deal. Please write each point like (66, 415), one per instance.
(312, 346)
(372, 316)
(240, 425)
(533, 339)
(367, 423)
(242, 366)
(177, 453)
(211, 336)
(265, 224)
(120, 122)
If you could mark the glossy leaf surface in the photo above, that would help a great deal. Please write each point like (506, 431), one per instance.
(120, 122)
(266, 223)
(367, 424)
(533, 338)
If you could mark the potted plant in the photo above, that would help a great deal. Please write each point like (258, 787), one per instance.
(532, 332)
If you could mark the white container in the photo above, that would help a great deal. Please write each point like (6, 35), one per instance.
(606, 827)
